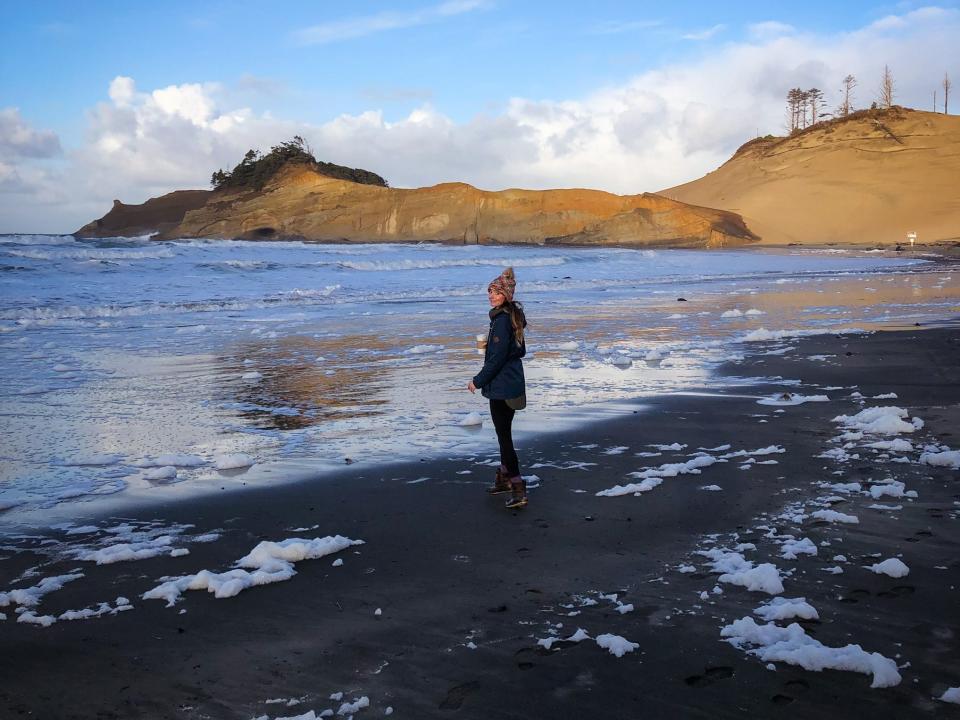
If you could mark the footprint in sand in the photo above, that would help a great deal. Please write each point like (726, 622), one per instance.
(710, 676)
(794, 688)
(456, 695)
(897, 591)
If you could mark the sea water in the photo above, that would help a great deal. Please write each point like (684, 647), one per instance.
(117, 354)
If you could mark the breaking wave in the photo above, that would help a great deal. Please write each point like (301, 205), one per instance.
(81, 253)
(379, 266)
(28, 316)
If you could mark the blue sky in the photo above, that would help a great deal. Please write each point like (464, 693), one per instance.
(475, 73)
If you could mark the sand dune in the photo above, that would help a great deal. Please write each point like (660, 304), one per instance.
(868, 179)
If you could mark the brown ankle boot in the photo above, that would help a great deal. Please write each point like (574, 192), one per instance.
(518, 493)
(501, 483)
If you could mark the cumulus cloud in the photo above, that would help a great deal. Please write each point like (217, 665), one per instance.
(663, 127)
(19, 140)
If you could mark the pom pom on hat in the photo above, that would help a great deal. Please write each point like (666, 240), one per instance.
(505, 283)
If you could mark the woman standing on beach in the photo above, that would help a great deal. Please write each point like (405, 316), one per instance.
(501, 381)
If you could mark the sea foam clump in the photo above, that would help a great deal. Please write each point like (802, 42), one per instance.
(892, 566)
(615, 644)
(887, 420)
(787, 608)
(948, 458)
(792, 645)
(736, 570)
(270, 562)
(232, 461)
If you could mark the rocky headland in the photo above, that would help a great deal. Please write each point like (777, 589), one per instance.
(868, 178)
(301, 202)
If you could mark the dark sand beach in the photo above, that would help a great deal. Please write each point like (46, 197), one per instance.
(449, 567)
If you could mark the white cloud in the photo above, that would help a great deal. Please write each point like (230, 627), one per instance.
(663, 127)
(349, 28)
(122, 91)
(19, 140)
(704, 34)
(769, 29)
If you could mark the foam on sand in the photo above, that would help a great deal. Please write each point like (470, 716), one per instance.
(172, 459)
(673, 469)
(892, 566)
(124, 552)
(736, 570)
(891, 488)
(423, 349)
(834, 516)
(787, 399)
(31, 596)
(631, 488)
(270, 561)
(948, 458)
(793, 646)
(895, 445)
(160, 473)
(615, 644)
(887, 420)
(787, 608)
(471, 419)
(579, 636)
(232, 461)
(791, 548)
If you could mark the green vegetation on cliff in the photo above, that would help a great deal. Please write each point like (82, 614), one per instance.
(255, 170)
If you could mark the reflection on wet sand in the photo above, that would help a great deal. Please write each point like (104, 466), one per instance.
(304, 381)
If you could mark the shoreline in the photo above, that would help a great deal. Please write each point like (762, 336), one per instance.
(449, 567)
(295, 472)
(945, 248)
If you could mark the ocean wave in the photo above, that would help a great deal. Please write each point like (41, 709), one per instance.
(37, 240)
(46, 314)
(388, 265)
(82, 253)
(240, 265)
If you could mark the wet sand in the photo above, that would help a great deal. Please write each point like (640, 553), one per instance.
(449, 566)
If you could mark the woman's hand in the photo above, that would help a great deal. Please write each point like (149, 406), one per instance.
(471, 387)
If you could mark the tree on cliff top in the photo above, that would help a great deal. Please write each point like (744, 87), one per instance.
(886, 88)
(255, 170)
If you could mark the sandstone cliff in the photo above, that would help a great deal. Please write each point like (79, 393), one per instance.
(869, 178)
(301, 203)
(155, 215)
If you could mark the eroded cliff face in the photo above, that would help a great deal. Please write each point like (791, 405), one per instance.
(299, 202)
(155, 215)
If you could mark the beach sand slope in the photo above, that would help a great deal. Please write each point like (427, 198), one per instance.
(867, 179)
(439, 613)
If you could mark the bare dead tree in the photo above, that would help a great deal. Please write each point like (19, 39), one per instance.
(886, 88)
(803, 99)
(946, 91)
(846, 106)
(815, 101)
(794, 97)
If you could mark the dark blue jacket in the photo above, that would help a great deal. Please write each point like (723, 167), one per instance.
(502, 375)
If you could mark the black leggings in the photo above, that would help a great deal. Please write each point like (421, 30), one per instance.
(502, 415)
